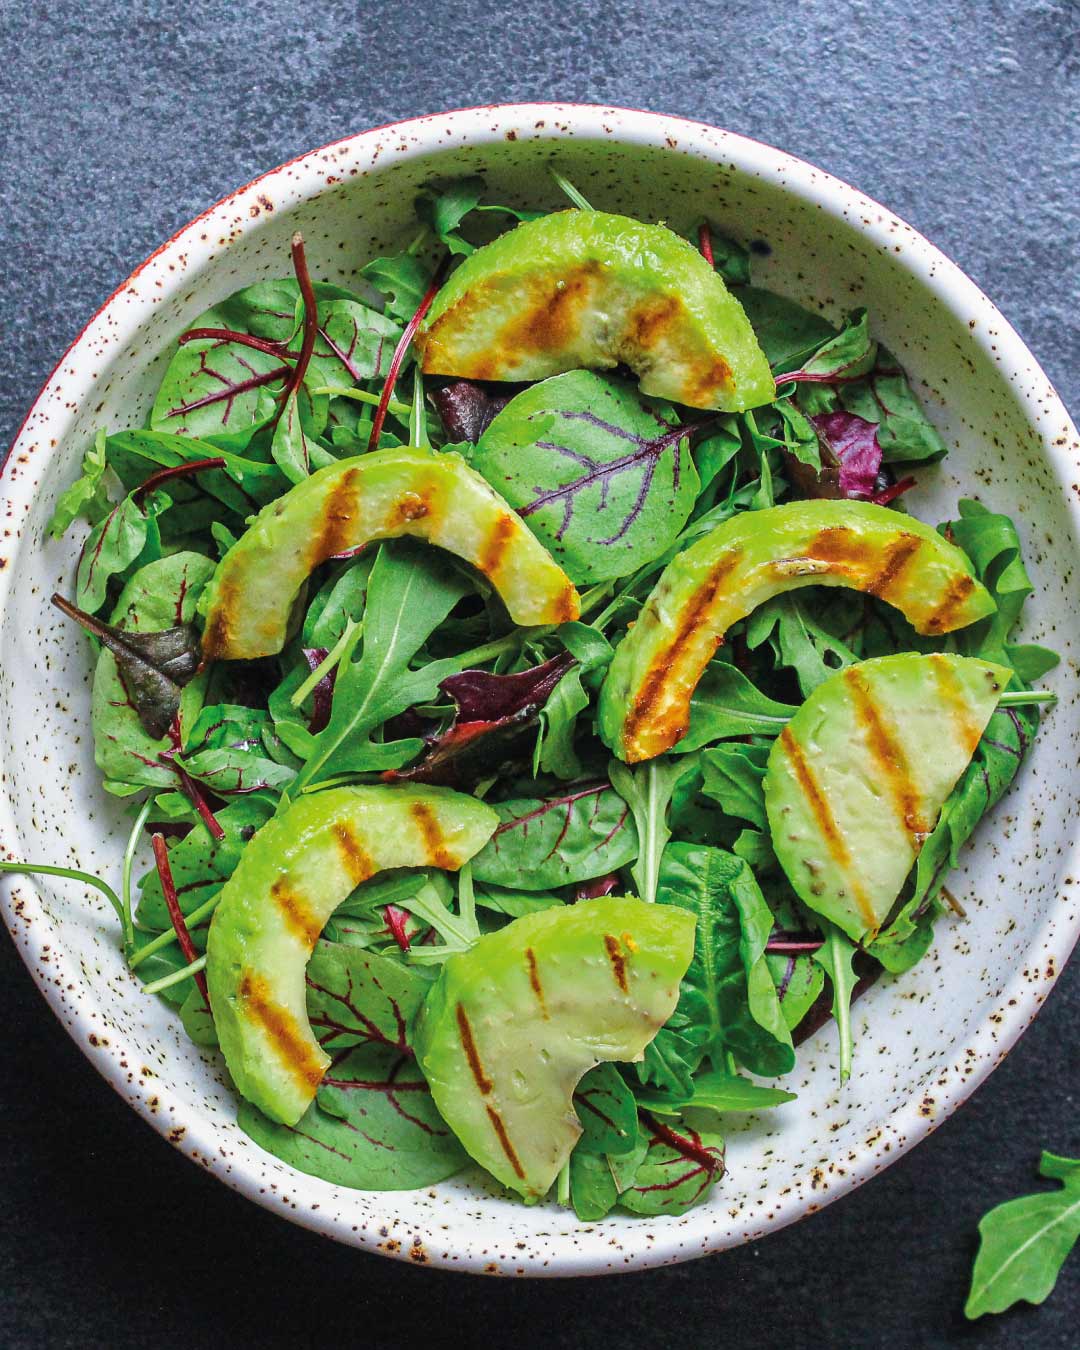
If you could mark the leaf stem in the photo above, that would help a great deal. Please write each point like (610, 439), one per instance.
(125, 876)
(362, 396)
(418, 434)
(327, 664)
(571, 191)
(1021, 698)
(74, 874)
(195, 969)
(563, 1185)
(176, 914)
(404, 343)
(167, 938)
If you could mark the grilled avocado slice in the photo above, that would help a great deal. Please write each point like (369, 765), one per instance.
(345, 506)
(584, 289)
(645, 700)
(292, 876)
(857, 779)
(512, 1025)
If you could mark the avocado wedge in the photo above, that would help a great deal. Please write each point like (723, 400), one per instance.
(585, 289)
(344, 506)
(292, 876)
(645, 700)
(857, 779)
(513, 1024)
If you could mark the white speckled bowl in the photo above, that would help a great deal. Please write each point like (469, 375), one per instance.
(924, 1041)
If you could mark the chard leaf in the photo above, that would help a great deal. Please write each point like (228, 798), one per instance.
(679, 1170)
(234, 750)
(201, 864)
(152, 667)
(87, 496)
(127, 535)
(372, 1126)
(160, 596)
(727, 1000)
(241, 484)
(410, 592)
(606, 1108)
(356, 996)
(1024, 1243)
(851, 353)
(726, 703)
(716, 1091)
(852, 445)
(603, 476)
(541, 844)
(799, 981)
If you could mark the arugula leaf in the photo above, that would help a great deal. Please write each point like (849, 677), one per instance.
(648, 791)
(726, 703)
(410, 592)
(679, 1170)
(402, 281)
(541, 844)
(443, 206)
(716, 1091)
(87, 496)
(733, 776)
(570, 698)
(603, 476)
(372, 1126)
(355, 996)
(836, 958)
(727, 1000)
(797, 640)
(1025, 1242)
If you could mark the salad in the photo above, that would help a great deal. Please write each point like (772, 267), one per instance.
(540, 704)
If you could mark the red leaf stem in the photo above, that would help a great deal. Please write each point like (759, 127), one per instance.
(176, 916)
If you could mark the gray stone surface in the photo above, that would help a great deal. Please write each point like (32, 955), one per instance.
(121, 121)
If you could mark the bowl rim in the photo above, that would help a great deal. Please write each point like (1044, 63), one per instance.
(1018, 1002)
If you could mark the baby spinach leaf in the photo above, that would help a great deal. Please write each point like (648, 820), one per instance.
(1024, 1243)
(201, 864)
(543, 843)
(716, 1091)
(372, 1126)
(606, 1108)
(87, 496)
(161, 595)
(648, 791)
(679, 1170)
(410, 592)
(355, 996)
(126, 535)
(603, 476)
(727, 1000)
(152, 666)
(726, 703)
(788, 333)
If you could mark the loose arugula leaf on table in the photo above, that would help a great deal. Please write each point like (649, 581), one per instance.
(410, 592)
(372, 1126)
(727, 1000)
(648, 791)
(160, 596)
(87, 496)
(356, 996)
(1024, 1243)
(603, 475)
(541, 844)
(679, 1170)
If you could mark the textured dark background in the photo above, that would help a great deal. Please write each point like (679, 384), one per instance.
(120, 122)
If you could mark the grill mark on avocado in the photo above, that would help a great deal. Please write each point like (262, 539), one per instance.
(468, 1044)
(217, 635)
(896, 558)
(495, 547)
(943, 618)
(298, 918)
(293, 1047)
(504, 1140)
(952, 695)
(889, 757)
(618, 961)
(695, 615)
(534, 980)
(333, 532)
(830, 831)
(438, 855)
(356, 862)
(552, 323)
(567, 606)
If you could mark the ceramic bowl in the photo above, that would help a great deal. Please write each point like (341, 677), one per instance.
(923, 1041)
